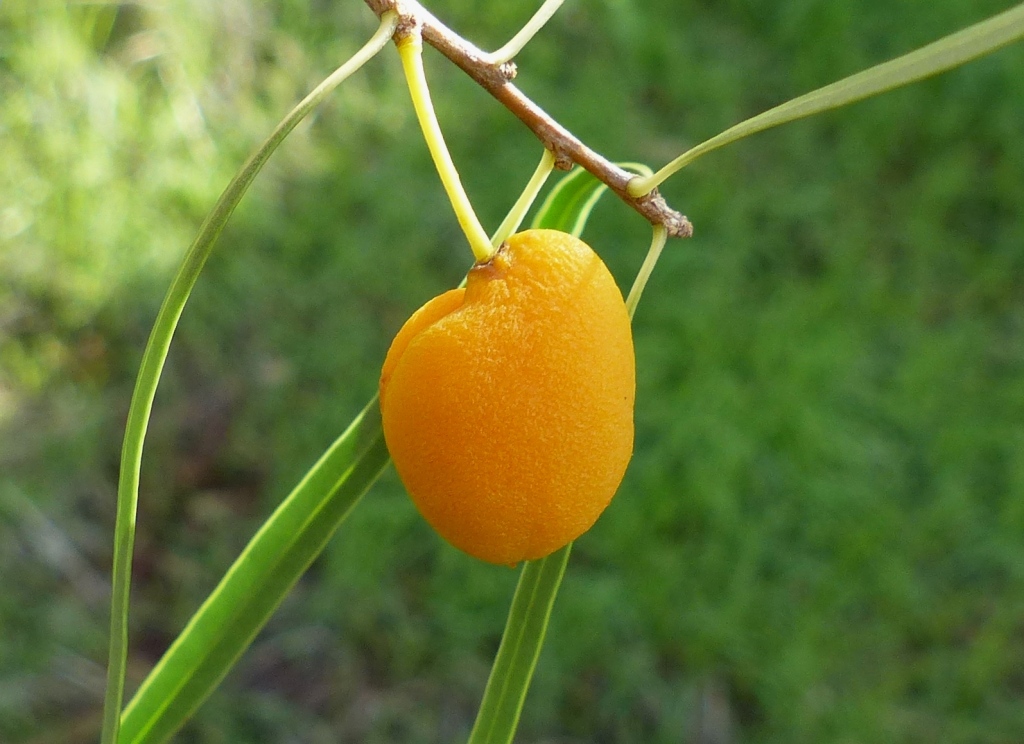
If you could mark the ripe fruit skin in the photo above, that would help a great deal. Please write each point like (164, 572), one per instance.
(508, 405)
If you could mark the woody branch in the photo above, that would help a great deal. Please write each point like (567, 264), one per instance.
(496, 79)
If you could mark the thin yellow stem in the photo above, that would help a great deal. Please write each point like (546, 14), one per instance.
(411, 51)
(653, 254)
(515, 216)
(517, 42)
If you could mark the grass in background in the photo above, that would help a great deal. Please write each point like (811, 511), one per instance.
(819, 537)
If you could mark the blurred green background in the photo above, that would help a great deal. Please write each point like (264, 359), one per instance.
(821, 536)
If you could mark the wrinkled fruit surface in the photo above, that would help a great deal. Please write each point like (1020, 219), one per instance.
(508, 405)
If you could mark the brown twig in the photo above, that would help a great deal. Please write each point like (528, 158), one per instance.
(496, 79)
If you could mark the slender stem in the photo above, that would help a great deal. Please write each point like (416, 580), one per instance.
(517, 42)
(410, 48)
(653, 254)
(153, 361)
(515, 216)
(496, 80)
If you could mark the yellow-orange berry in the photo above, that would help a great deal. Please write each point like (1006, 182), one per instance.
(508, 405)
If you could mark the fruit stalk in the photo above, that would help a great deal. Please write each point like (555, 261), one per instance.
(410, 48)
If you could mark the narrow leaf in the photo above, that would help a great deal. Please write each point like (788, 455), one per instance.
(939, 56)
(570, 202)
(520, 647)
(155, 355)
(255, 585)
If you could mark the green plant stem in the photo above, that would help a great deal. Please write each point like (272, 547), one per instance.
(939, 56)
(653, 254)
(410, 49)
(515, 216)
(527, 32)
(152, 365)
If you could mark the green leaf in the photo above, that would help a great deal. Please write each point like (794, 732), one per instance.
(521, 642)
(570, 202)
(566, 208)
(939, 56)
(258, 581)
(153, 362)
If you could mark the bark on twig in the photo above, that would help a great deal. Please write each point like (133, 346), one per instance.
(497, 80)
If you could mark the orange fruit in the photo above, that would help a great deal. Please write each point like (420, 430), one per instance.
(508, 405)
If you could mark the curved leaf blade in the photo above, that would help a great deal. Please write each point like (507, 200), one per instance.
(259, 580)
(152, 364)
(517, 655)
(939, 56)
(568, 205)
